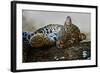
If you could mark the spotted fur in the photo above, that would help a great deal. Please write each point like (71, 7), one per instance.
(55, 34)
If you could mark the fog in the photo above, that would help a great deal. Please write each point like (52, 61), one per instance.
(33, 20)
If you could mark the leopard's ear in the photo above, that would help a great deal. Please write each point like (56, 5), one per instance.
(68, 20)
(82, 36)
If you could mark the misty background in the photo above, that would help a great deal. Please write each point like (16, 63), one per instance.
(33, 20)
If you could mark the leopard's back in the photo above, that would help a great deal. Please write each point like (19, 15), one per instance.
(48, 34)
(51, 28)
